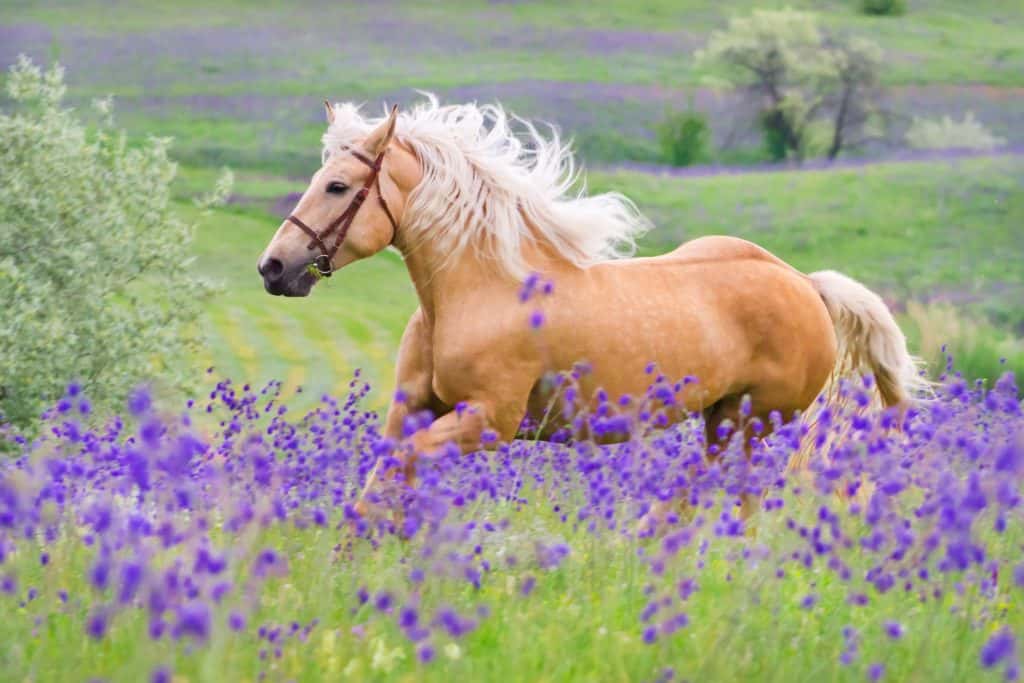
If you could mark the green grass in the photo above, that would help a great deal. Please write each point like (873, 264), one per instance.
(354, 321)
(918, 229)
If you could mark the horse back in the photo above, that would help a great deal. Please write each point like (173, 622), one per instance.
(717, 248)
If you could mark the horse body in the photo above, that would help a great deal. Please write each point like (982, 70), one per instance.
(698, 311)
(477, 211)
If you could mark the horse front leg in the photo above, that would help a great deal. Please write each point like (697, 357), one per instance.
(487, 392)
(464, 428)
(475, 424)
(413, 377)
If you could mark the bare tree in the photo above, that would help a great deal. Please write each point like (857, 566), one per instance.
(855, 95)
(803, 81)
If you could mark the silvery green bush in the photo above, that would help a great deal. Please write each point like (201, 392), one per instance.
(946, 133)
(810, 88)
(95, 274)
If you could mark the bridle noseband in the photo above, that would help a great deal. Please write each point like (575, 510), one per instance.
(324, 262)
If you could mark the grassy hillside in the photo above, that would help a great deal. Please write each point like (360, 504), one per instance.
(938, 41)
(241, 83)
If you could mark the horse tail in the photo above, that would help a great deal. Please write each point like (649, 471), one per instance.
(869, 338)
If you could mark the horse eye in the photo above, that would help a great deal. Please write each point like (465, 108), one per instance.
(336, 188)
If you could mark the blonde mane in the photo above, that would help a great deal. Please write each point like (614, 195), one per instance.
(485, 186)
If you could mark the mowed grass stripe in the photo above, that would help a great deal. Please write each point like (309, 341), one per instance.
(282, 335)
(345, 353)
(247, 352)
(232, 355)
(380, 350)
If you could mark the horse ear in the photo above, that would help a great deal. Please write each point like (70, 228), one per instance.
(330, 112)
(378, 140)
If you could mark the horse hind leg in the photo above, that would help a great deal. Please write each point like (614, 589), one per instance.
(725, 421)
(685, 505)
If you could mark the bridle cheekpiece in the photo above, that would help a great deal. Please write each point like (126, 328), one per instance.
(323, 264)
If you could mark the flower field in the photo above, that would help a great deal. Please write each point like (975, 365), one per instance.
(218, 541)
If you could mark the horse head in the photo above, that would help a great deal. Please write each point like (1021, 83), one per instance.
(351, 209)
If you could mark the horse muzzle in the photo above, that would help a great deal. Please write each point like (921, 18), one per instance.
(281, 281)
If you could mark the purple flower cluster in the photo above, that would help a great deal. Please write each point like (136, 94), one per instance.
(535, 287)
(171, 509)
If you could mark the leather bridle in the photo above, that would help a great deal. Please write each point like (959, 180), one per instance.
(324, 262)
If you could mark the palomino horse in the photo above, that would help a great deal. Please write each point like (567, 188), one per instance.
(474, 210)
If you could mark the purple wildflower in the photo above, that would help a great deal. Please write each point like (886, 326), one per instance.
(1018, 575)
(236, 622)
(140, 401)
(383, 601)
(1001, 645)
(193, 620)
(96, 625)
(408, 617)
(894, 629)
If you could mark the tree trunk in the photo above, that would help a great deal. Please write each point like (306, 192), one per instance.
(840, 122)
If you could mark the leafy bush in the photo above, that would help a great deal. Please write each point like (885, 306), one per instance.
(684, 137)
(883, 7)
(94, 263)
(945, 133)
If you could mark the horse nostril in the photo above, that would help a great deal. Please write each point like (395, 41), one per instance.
(271, 269)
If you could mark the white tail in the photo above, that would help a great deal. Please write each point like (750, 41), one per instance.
(869, 338)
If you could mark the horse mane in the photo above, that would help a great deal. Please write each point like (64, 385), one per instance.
(494, 189)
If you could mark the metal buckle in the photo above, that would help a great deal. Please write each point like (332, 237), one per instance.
(322, 264)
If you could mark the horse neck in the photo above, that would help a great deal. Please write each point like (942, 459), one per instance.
(440, 282)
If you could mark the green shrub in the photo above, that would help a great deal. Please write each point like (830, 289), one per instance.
(883, 7)
(773, 135)
(979, 350)
(684, 138)
(95, 273)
